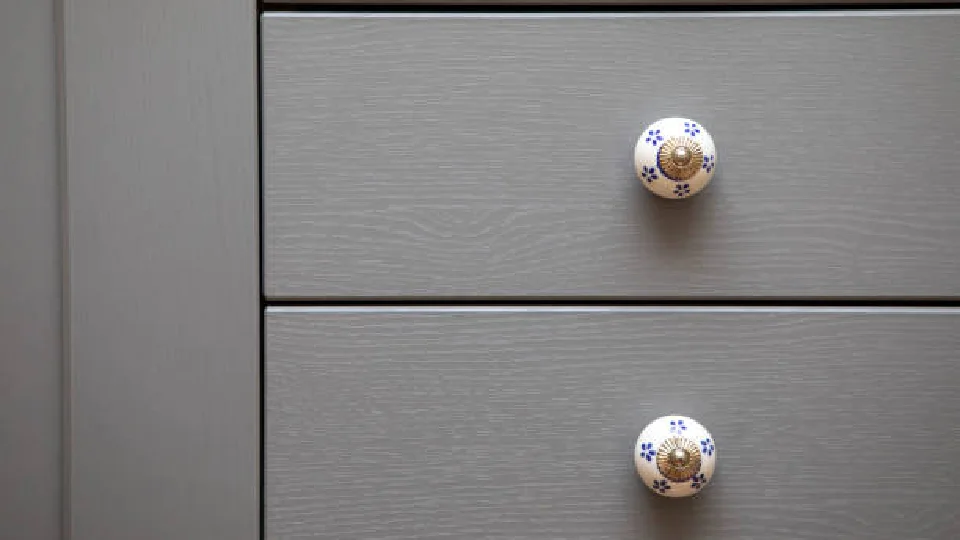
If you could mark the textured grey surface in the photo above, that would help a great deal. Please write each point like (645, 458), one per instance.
(29, 275)
(470, 425)
(161, 140)
(438, 155)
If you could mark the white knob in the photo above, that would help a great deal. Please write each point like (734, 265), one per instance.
(675, 456)
(675, 157)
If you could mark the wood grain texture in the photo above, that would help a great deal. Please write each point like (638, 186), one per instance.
(486, 424)
(443, 155)
(29, 275)
(161, 179)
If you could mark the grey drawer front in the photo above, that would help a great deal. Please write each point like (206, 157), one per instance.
(470, 424)
(425, 155)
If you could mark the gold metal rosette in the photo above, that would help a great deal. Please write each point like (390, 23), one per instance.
(678, 459)
(680, 158)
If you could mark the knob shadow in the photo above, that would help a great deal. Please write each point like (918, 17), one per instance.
(675, 519)
(677, 226)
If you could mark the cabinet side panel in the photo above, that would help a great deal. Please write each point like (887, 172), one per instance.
(29, 275)
(161, 180)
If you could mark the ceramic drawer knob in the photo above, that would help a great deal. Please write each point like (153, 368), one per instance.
(675, 157)
(675, 456)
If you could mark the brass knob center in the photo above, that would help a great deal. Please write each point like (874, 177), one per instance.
(678, 459)
(680, 158)
(681, 155)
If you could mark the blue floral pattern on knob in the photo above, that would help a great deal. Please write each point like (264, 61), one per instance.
(658, 463)
(654, 137)
(649, 174)
(698, 480)
(671, 151)
(647, 451)
(707, 446)
(661, 486)
(709, 162)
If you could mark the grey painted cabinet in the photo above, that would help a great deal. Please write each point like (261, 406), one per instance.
(484, 159)
(161, 300)
(30, 348)
(460, 423)
(492, 155)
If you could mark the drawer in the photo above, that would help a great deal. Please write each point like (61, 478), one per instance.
(492, 155)
(520, 423)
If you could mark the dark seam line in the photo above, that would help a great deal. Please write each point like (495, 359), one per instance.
(615, 302)
(261, 498)
(586, 8)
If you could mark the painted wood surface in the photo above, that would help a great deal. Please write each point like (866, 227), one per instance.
(458, 155)
(460, 423)
(29, 275)
(161, 187)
